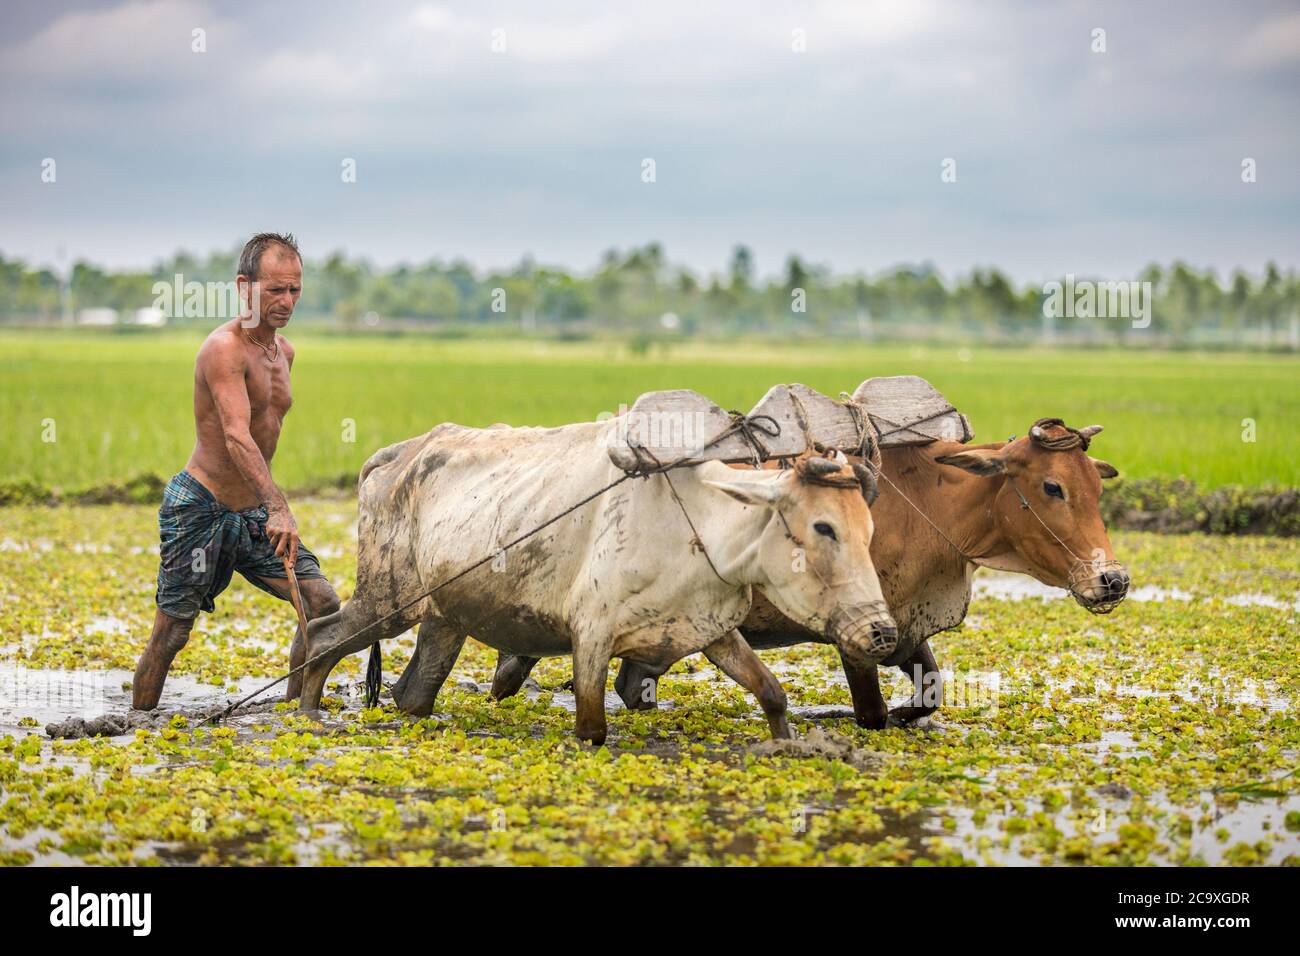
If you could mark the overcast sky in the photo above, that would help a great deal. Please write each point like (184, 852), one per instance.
(1067, 160)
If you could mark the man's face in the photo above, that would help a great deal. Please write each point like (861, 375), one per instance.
(276, 292)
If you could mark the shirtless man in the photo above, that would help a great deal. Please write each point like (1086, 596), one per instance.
(223, 513)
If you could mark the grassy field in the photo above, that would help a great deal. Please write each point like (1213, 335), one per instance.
(121, 403)
(1162, 733)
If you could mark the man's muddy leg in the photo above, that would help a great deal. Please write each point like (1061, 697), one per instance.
(169, 635)
(869, 707)
(922, 668)
(437, 645)
(511, 672)
(638, 685)
(318, 600)
(737, 660)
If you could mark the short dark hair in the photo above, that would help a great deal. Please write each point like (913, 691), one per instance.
(250, 260)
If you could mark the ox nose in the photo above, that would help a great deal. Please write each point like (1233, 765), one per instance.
(864, 631)
(1105, 589)
(1115, 583)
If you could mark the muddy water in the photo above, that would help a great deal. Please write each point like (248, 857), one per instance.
(47, 696)
(50, 695)
(1004, 586)
(53, 695)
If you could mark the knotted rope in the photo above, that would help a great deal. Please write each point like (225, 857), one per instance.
(910, 426)
(809, 470)
(1073, 438)
(868, 448)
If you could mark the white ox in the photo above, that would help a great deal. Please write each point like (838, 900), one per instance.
(619, 577)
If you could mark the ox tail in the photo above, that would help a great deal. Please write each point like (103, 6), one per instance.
(374, 675)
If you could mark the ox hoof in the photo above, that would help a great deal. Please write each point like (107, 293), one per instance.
(873, 720)
(419, 711)
(637, 702)
(637, 690)
(508, 679)
(906, 715)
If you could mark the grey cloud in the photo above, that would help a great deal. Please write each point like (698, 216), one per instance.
(1067, 159)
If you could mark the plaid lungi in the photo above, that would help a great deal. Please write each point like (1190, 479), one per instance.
(202, 543)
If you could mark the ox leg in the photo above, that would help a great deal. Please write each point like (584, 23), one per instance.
(511, 672)
(318, 600)
(408, 674)
(924, 672)
(638, 685)
(737, 660)
(334, 637)
(869, 707)
(437, 646)
(590, 668)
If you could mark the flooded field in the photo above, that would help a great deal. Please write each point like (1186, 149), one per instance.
(1164, 733)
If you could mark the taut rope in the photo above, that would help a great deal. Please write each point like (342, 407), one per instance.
(738, 425)
(1073, 438)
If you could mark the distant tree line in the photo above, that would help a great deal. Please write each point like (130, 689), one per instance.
(640, 293)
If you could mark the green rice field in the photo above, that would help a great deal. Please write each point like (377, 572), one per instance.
(120, 404)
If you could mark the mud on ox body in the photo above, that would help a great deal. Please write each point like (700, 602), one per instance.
(973, 493)
(617, 577)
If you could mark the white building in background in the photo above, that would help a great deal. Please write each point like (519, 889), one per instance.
(150, 316)
(98, 316)
(101, 316)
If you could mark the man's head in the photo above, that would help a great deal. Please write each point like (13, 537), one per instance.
(270, 279)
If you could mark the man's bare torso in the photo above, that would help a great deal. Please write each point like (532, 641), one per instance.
(269, 399)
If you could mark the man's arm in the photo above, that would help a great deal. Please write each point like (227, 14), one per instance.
(223, 366)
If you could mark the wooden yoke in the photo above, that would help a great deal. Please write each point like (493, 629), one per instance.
(682, 426)
(820, 423)
(908, 410)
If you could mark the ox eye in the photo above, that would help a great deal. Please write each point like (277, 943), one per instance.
(822, 528)
(1053, 490)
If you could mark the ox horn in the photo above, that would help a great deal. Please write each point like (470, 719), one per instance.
(868, 482)
(820, 466)
(1087, 431)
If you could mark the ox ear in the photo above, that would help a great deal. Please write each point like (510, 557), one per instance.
(1105, 468)
(978, 461)
(762, 494)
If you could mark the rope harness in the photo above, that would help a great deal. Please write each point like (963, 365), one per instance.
(1083, 570)
(749, 429)
(869, 450)
(910, 426)
(805, 470)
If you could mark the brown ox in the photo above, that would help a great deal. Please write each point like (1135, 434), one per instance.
(974, 494)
